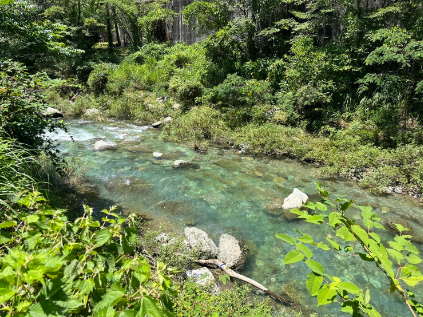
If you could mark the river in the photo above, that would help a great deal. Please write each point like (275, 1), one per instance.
(227, 194)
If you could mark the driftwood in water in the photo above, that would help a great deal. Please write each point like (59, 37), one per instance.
(231, 273)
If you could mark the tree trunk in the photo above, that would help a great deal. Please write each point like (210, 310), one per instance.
(109, 27)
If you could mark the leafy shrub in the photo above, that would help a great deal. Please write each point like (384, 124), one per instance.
(199, 301)
(199, 126)
(99, 77)
(51, 266)
(22, 104)
(185, 90)
(150, 50)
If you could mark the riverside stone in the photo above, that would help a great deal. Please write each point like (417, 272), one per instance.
(161, 122)
(230, 252)
(203, 276)
(103, 145)
(157, 154)
(92, 112)
(182, 163)
(199, 240)
(52, 113)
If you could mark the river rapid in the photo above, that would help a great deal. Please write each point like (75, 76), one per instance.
(227, 193)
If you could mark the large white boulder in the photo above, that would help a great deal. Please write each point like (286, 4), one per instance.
(230, 252)
(202, 276)
(295, 200)
(103, 145)
(199, 240)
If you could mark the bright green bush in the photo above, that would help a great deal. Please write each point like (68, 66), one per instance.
(99, 77)
(50, 266)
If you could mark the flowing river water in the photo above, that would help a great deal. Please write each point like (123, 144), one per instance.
(227, 193)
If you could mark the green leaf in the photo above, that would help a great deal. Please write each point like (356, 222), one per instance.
(375, 236)
(8, 224)
(379, 226)
(314, 281)
(317, 219)
(346, 205)
(349, 287)
(6, 291)
(323, 246)
(148, 308)
(361, 234)
(326, 295)
(286, 238)
(367, 297)
(305, 250)
(224, 278)
(315, 266)
(334, 219)
(293, 256)
(345, 234)
(321, 207)
(395, 255)
(335, 245)
(413, 259)
(102, 237)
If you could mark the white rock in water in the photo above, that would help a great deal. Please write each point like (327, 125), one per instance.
(52, 113)
(159, 123)
(103, 145)
(229, 251)
(157, 154)
(295, 200)
(179, 163)
(199, 240)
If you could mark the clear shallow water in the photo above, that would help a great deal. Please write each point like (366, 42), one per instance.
(227, 194)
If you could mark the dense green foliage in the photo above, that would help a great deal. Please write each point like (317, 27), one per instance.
(397, 262)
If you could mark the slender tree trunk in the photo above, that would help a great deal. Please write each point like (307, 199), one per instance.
(79, 10)
(119, 43)
(109, 27)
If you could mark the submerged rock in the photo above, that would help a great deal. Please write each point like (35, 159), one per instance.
(199, 240)
(230, 252)
(161, 122)
(275, 207)
(295, 200)
(184, 164)
(251, 246)
(103, 145)
(124, 185)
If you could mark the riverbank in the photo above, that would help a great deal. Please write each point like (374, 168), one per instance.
(336, 153)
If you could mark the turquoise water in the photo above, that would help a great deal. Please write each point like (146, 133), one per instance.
(227, 194)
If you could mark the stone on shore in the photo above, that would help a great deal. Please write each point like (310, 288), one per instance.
(161, 122)
(199, 240)
(294, 201)
(92, 112)
(203, 276)
(103, 145)
(230, 252)
(52, 113)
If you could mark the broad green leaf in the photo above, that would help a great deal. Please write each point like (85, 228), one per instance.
(321, 207)
(317, 219)
(412, 280)
(399, 227)
(345, 234)
(286, 238)
(305, 238)
(395, 255)
(3, 2)
(349, 287)
(323, 246)
(334, 219)
(102, 237)
(395, 245)
(315, 266)
(361, 234)
(326, 295)
(413, 259)
(314, 281)
(8, 224)
(335, 245)
(6, 291)
(304, 249)
(293, 256)
(379, 226)
(346, 205)
(148, 308)
(375, 236)
(367, 297)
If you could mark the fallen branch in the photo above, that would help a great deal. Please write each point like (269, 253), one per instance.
(231, 273)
